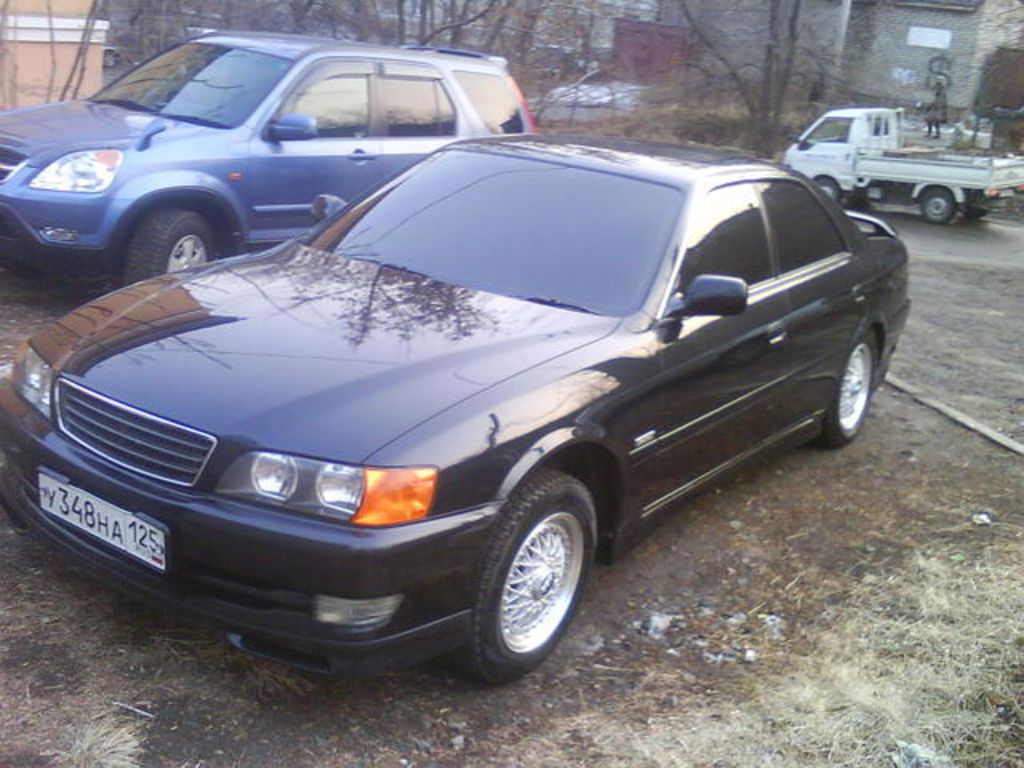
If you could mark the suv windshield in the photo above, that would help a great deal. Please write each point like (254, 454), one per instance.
(538, 230)
(201, 83)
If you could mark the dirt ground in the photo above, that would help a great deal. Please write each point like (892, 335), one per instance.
(695, 619)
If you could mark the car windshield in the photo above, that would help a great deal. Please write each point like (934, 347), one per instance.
(199, 82)
(545, 231)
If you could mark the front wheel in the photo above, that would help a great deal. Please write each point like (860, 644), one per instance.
(532, 577)
(852, 397)
(168, 240)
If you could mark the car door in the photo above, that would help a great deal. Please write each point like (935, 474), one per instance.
(825, 150)
(720, 376)
(414, 115)
(286, 175)
(822, 281)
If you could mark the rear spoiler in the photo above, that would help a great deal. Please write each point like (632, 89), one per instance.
(501, 60)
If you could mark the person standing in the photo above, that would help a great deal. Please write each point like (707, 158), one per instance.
(935, 115)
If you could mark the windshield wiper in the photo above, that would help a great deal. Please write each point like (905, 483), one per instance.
(195, 120)
(126, 103)
(549, 302)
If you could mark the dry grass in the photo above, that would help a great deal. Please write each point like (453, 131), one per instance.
(106, 741)
(932, 655)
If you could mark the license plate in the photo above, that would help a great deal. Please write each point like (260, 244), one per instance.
(124, 530)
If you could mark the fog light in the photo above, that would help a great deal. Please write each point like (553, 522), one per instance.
(357, 614)
(59, 234)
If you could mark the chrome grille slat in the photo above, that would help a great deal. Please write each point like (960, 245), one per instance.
(105, 421)
(131, 438)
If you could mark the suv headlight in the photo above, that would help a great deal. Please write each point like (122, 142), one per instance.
(33, 379)
(360, 495)
(90, 171)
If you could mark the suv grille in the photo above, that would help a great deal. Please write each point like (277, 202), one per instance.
(132, 438)
(9, 160)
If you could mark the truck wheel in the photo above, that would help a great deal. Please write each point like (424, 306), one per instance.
(974, 212)
(167, 240)
(938, 205)
(829, 187)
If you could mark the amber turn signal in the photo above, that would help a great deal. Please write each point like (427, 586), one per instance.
(395, 496)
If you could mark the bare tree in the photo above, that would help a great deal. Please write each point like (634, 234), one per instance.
(761, 66)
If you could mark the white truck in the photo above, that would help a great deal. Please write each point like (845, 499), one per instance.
(859, 155)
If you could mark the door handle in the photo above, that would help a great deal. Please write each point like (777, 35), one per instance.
(777, 338)
(360, 155)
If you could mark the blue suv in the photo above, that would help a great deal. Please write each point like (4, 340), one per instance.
(220, 144)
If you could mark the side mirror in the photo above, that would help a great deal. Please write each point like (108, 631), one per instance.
(710, 295)
(804, 145)
(292, 127)
(325, 206)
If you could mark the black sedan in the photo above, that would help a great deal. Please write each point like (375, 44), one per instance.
(411, 431)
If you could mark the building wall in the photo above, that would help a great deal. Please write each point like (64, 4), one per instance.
(38, 48)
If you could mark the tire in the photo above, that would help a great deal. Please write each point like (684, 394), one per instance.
(167, 240)
(830, 187)
(938, 205)
(855, 386)
(974, 212)
(551, 511)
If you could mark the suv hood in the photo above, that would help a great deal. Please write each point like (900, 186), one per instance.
(44, 132)
(306, 352)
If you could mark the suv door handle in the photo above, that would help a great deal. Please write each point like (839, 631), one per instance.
(360, 156)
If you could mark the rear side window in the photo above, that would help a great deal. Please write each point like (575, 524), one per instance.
(495, 100)
(728, 237)
(803, 230)
(338, 96)
(416, 107)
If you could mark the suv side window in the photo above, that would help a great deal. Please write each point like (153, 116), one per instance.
(729, 239)
(338, 96)
(803, 230)
(495, 101)
(414, 103)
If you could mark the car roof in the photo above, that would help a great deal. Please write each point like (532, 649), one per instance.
(299, 46)
(675, 164)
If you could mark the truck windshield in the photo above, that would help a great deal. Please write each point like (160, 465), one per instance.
(198, 82)
(831, 129)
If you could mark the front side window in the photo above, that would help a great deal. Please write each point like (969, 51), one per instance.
(199, 82)
(831, 130)
(728, 237)
(338, 96)
(548, 232)
(802, 228)
(416, 107)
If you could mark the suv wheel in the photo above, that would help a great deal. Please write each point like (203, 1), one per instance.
(168, 240)
(532, 576)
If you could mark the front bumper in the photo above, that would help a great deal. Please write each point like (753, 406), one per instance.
(23, 246)
(254, 571)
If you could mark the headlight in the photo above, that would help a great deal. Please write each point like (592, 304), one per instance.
(33, 378)
(361, 495)
(91, 171)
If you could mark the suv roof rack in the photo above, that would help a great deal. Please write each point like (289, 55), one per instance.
(453, 52)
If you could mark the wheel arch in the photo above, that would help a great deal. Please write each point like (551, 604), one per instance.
(921, 188)
(591, 461)
(224, 220)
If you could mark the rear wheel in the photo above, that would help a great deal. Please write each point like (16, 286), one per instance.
(938, 205)
(168, 240)
(532, 577)
(852, 397)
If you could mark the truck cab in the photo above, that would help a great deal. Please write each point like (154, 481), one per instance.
(827, 150)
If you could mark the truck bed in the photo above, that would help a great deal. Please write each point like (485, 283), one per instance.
(940, 167)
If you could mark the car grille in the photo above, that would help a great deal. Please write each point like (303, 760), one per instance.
(9, 160)
(132, 438)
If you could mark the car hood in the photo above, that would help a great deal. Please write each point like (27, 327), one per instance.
(41, 133)
(306, 352)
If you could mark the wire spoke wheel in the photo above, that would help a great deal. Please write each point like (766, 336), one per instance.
(855, 389)
(541, 582)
